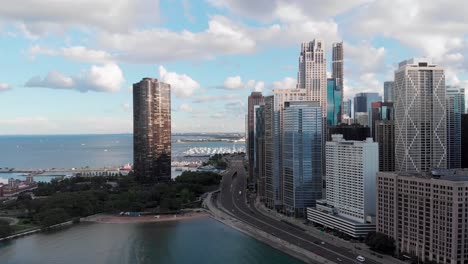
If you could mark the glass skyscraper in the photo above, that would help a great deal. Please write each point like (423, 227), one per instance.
(455, 107)
(302, 156)
(333, 102)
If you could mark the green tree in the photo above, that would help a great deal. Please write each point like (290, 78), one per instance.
(380, 243)
(5, 228)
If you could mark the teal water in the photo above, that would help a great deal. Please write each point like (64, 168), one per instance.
(193, 241)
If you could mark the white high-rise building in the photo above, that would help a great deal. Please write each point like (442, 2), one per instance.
(420, 116)
(312, 74)
(351, 173)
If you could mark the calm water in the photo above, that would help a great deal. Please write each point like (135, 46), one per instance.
(194, 241)
(75, 151)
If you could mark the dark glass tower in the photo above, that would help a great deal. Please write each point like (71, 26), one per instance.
(152, 130)
(334, 102)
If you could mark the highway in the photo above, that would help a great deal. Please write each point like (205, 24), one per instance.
(233, 201)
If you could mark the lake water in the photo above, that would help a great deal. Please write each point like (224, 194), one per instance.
(95, 151)
(191, 241)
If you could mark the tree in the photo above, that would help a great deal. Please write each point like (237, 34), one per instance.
(5, 228)
(381, 243)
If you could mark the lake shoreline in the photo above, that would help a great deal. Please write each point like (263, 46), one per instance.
(117, 219)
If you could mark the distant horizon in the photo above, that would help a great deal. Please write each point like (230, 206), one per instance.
(124, 133)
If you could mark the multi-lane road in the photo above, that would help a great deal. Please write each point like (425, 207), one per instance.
(233, 201)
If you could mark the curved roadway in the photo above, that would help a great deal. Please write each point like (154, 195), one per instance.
(233, 201)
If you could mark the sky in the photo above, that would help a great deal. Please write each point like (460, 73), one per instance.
(67, 67)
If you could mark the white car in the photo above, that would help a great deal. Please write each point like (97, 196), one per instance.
(360, 258)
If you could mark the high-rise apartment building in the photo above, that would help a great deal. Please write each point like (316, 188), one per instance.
(255, 98)
(385, 136)
(455, 97)
(389, 94)
(464, 140)
(152, 130)
(351, 169)
(334, 93)
(302, 156)
(312, 74)
(427, 215)
(362, 118)
(420, 116)
(338, 72)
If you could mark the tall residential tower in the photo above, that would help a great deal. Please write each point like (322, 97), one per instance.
(337, 71)
(152, 130)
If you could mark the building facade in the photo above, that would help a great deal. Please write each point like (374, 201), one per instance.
(382, 111)
(312, 74)
(426, 215)
(349, 132)
(464, 140)
(420, 116)
(255, 98)
(363, 104)
(260, 151)
(347, 106)
(385, 137)
(338, 72)
(389, 94)
(351, 171)
(334, 101)
(455, 97)
(302, 156)
(152, 130)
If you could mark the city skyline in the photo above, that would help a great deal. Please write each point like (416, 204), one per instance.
(213, 55)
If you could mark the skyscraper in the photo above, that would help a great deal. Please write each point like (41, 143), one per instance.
(260, 150)
(349, 132)
(312, 74)
(363, 104)
(455, 97)
(302, 156)
(385, 136)
(337, 72)
(152, 130)
(351, 170)
(420, 123)
(464, 141)
(333, 102)
(255, 98)
(389, 94)
(347, 104)
(381, 111)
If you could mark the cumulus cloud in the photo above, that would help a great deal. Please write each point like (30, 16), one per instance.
(236, 83)
(76, 53)
(34, 18)
(4, 87)
(105, 78)
(181, 85)
(213, 98)
(286, 83)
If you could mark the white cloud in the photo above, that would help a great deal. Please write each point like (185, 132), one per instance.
(35, 18)
(76, 53)
(4, 87)
(286, 83)
(185, 108)
(213, 98)
(181, 85)
(126, 107)
(106, 78)
(233, 83)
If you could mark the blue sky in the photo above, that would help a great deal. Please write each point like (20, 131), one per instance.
(67, 66)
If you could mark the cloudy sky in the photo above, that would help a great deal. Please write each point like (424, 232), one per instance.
(67, 66)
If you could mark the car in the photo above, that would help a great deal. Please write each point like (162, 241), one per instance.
(360, 258)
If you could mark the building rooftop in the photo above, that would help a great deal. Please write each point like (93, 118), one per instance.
(457, 175)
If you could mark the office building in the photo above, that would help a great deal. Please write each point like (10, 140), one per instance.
(338, 72)
(333, 102)
(350, 206)
(426, 214)
(363, 104)
(349, 132)
(362, 118)
(312, 74)
(302, 156)
(152, 130)
(347, 105)
(385, 137)
(260, 150)
(255, 98)
(381, 111)
(420, 123)
(455, 97)
(464, 140)
(389, 94)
